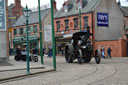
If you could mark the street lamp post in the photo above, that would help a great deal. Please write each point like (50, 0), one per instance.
(53, 36)
(41, 41)
(27, 13)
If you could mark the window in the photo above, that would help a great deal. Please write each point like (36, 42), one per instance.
(65, 8)
(58, 26)
(76, 23)
(31, 29)
(15, 32)
(25, 30)
(35, 29)
(18, 31)
(21, 31)
(85, 21)
(67, 24)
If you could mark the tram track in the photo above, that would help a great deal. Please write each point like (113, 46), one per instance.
(82, 77)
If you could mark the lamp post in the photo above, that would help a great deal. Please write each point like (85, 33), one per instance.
(41, 41)
(26, 13)
(53, 36)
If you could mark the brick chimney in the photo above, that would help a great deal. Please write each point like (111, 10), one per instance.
(54, 4)
(18, 2)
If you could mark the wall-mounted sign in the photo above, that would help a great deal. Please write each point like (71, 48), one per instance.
(2, 15)
(102, 19)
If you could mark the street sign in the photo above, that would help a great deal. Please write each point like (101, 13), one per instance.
(2, 15)
(102, 19)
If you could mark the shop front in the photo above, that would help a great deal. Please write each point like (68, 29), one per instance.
(21, 41)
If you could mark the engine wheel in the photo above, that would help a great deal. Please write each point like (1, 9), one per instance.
(97, 57)
(35, 59)
(68, 57)
(80, 57)
(87, 59)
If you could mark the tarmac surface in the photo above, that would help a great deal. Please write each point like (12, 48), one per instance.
(110, 72)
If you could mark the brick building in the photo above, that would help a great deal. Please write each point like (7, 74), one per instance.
(105, 18)
(14, 12)
(19, 29)
(125, 12)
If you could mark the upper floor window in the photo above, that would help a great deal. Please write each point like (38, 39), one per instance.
(35, 29)
(76, 23)
(58, 26)
(85, 21)
(65, 8)
(21, 31)
(15, 32)
(67, 24)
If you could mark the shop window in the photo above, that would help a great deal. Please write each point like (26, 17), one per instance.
(85, 21)
(76, 23)
(15, 32)
(35, 29)
(67, 24)
(58, 26)
(21, 31)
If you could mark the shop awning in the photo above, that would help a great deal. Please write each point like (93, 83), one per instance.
(23, 38)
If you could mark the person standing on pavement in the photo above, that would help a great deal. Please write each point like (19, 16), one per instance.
(62, 50)
(109, 52)
(103, 52)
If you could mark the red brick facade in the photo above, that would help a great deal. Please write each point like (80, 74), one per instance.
(118, 47)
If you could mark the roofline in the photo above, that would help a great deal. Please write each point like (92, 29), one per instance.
(24, 25)
(73, 15)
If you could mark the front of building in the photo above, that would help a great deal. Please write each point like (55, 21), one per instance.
(19, 33)
(104, 17)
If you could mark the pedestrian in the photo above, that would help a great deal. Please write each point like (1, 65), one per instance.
(103, 52)
(109, 52)
(62, 50)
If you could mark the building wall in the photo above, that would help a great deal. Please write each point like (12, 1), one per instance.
(71, 23)
(111, 36)
(126, 22)
(4, 51)
(47, 22)
(116, 21)
(118, 47)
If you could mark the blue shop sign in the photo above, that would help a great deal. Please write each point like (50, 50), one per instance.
(2, 15)
(102, 19)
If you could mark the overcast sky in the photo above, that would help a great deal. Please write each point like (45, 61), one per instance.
(34, 3)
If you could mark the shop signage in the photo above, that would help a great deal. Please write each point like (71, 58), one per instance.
(102, 19)
(2, 15)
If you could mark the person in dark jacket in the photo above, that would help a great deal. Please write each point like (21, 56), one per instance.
(109, 52)
(18, 53)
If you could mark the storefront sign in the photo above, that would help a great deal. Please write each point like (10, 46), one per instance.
(2, 15)
(102, 19)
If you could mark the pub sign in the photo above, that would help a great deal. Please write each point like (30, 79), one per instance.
(102, 19)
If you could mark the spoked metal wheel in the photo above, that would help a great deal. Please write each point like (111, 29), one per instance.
(68, 56)
(87, 59)
(97, 57)
(80, 56)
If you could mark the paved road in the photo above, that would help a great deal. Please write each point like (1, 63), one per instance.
(109, 72)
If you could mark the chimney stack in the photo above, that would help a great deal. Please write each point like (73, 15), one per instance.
(54, 4)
